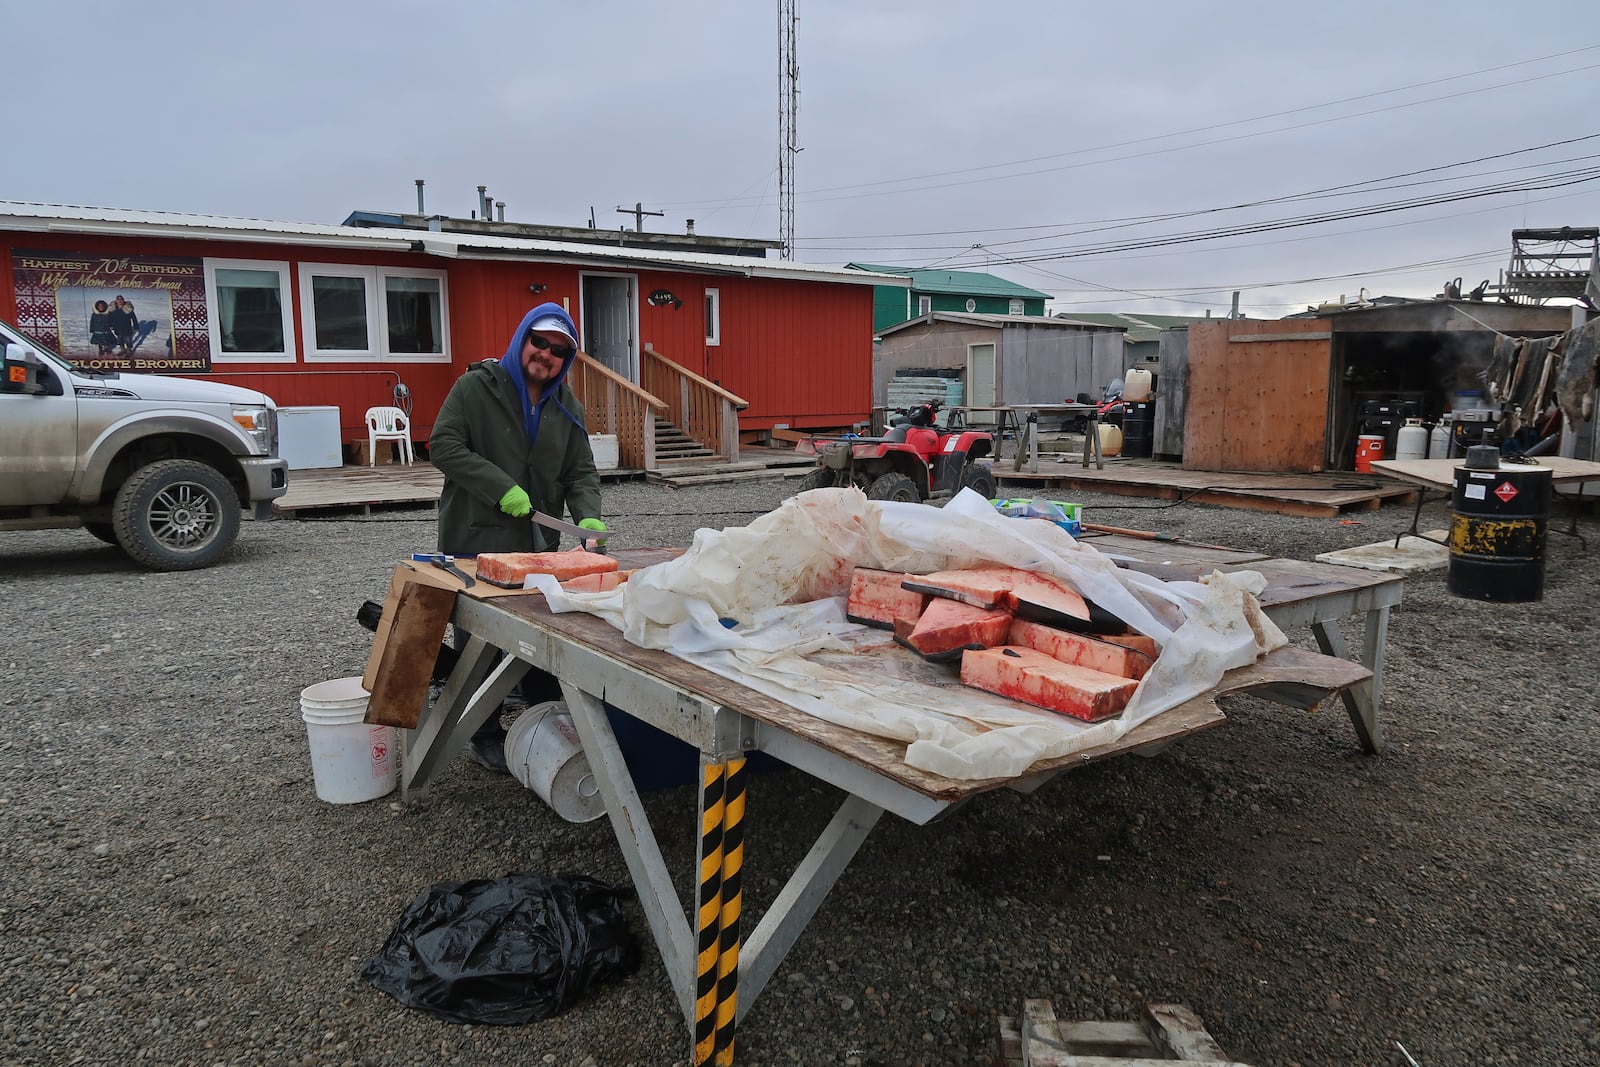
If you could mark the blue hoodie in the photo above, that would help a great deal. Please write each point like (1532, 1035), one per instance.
(532, 409)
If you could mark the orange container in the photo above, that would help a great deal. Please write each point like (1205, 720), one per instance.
(1369, 446)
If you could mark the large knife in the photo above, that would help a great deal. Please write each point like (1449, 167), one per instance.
(552, 523)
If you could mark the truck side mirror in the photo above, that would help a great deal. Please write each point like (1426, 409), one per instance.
(20, 372)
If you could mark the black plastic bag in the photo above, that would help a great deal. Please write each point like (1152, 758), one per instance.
(505, 951)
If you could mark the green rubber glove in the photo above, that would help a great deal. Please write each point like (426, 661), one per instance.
(592, 524)
(516, 503)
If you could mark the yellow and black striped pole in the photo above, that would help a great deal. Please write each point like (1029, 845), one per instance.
(719, 902)
(732, 904)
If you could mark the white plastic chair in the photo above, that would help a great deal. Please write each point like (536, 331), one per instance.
(388, 424)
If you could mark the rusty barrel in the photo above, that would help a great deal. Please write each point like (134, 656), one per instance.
(1499, 518)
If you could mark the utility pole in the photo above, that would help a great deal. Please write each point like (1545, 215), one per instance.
(788, 111)
(638, 212)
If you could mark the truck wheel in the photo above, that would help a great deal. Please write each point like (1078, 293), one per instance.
(823, 478)
(105, 531)
(894, 487)
(979, 479)
(176, 515)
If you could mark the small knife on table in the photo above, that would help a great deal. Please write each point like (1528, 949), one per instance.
(444, 563)
(597, 536)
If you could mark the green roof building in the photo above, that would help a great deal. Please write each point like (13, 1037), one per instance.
(948, 290)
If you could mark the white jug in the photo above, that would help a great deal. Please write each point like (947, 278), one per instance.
(1136, 385)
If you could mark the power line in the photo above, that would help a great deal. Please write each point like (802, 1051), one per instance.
(1542, 182)
(1345, 189)
(1207, 128)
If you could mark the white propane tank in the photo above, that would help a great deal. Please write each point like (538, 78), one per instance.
(1136, 385)
(1439, 441)
(1412, 441)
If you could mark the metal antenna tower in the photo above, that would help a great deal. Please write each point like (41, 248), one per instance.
(788, 109)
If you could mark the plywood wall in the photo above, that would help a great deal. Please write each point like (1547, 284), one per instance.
(1257, 395)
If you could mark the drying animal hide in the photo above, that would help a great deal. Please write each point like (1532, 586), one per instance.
(1575, 382)
(1503, 366)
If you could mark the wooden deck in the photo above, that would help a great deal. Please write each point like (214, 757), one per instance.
(1321, 495)
(335, 490)
(352, 489)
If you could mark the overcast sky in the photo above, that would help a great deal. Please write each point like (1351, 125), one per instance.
(927, 127)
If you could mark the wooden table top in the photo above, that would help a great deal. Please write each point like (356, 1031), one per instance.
(1441, 473)
(1289, 581)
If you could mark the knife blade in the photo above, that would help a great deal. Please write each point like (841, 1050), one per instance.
(597, 536)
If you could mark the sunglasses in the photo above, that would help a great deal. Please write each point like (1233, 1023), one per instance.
(544, 345)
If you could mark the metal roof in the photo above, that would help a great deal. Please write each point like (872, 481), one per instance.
(124, 222)
(957, 282)
(1140, 327)
(996, 322)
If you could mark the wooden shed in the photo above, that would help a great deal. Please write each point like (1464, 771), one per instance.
(1287, 394)
(1003, 359)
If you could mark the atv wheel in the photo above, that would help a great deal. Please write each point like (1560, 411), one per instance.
(823, 478)
(894, 487)
(176, 515)
(979, 479)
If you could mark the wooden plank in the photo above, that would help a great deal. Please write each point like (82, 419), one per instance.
(1041, 1037)
(1258, 338)
(1167, 1034)
(1204, 425)
(1257, 406)
(406, 654)
(1179, 1032)
(1279, 493)
(1115, 1039)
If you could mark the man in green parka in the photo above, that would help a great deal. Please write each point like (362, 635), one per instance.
(509, 440)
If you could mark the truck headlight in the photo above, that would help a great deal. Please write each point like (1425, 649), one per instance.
(261, 424)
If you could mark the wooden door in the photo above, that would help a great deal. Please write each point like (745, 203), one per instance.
(1258, 395)
(608, 322)
(980, 381)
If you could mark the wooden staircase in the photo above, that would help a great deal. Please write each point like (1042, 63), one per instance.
(676, 448)
(673, 420)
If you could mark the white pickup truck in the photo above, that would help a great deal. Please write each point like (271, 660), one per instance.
(162, 467)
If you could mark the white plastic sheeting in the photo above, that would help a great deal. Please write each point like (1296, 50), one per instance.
(764, 605)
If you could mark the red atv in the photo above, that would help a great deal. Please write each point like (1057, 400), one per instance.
(913, 462)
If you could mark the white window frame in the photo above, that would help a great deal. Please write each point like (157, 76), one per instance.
(1016, 307)
(377, 314)
(924, 306)
(214, 310)
(713, 317)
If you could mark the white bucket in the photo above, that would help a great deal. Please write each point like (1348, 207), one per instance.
(351, 761)
(543, 751)
(604, 447)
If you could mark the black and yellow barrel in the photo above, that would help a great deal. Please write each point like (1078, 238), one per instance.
(1499, 519)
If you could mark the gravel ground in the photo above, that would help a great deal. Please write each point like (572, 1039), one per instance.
(175, 894)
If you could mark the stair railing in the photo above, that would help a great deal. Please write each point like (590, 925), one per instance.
(699, 407)
(614, 405)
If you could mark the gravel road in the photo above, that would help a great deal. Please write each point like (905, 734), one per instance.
(175, 894)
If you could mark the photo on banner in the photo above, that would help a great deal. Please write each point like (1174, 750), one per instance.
(145, 314)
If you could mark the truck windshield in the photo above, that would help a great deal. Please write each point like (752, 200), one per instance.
(10, 335)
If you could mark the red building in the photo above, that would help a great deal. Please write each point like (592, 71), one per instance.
(713, 343)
